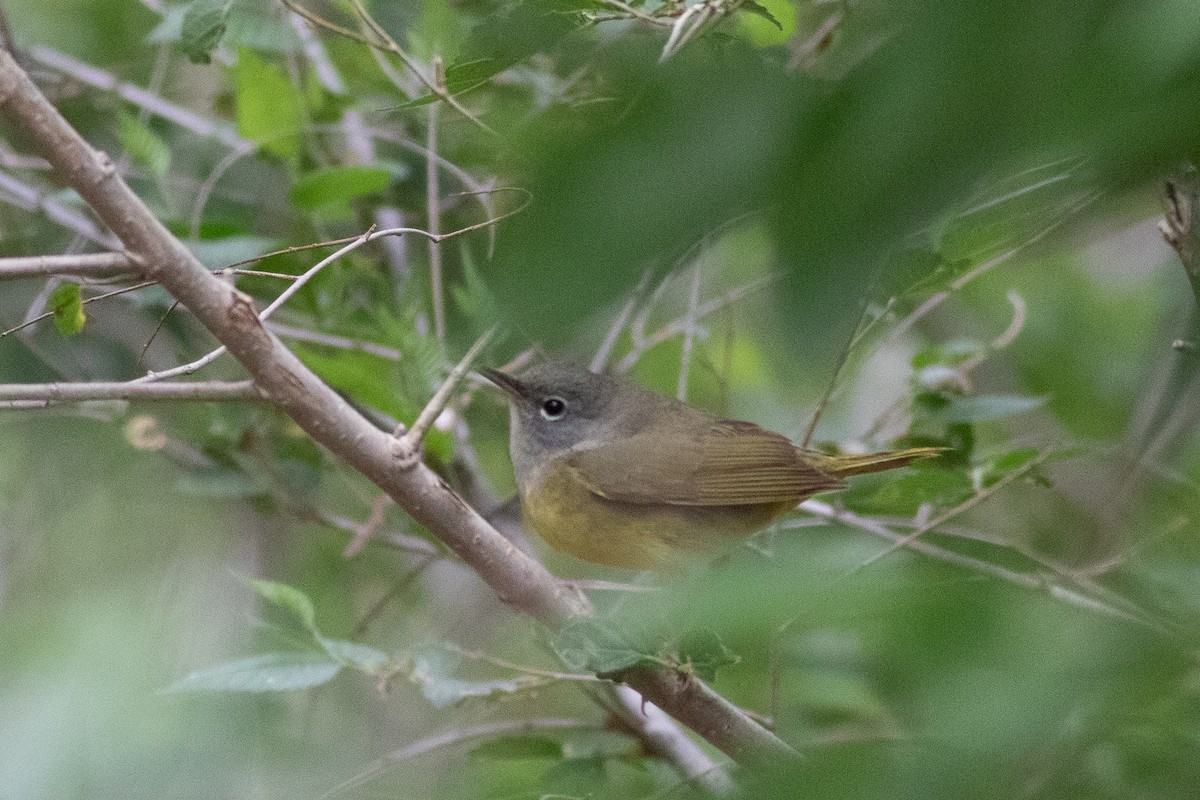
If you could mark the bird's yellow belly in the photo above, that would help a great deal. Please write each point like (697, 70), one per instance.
(635, 536)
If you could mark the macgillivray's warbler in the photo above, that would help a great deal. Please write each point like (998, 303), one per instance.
(616, 474)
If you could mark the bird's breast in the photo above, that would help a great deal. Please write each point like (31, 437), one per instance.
(569, 517)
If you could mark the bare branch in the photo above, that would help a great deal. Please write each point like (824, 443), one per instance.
(106, 81)
(333, 340)
(33, 200)
(84, 265)
(663, 739)
(42, 394)
(30, 320)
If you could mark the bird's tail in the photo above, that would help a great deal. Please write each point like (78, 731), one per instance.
(843, 466)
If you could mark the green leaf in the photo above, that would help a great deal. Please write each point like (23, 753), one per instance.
(1004, 465)
(290, 598)
(335, 186)
(269, 109)
(949, 353)
(202, 28)
(360, 656)
(519, 747)
(751, 7)
(575, 777)
(473, 297)
(273, 672)
(433, 673)
(247, 23)
(903, 494)
(218, 481)
(597, 645)
(66, 302)
(705, 653)
(1013, 460)
(988, 407)
(838, 692)
(507, 37)
(257, 25)
(364, 376)
(143, 145)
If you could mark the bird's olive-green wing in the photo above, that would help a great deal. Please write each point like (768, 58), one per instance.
(725, 463)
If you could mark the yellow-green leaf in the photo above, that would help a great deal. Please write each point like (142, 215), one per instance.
(67, 304)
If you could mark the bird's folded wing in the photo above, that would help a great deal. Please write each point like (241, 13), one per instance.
(727, 463)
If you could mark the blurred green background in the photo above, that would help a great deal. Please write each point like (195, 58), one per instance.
(966, 192)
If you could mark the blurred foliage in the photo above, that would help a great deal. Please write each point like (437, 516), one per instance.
(198, 601)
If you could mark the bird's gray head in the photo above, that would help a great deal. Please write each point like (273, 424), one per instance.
(556, 406)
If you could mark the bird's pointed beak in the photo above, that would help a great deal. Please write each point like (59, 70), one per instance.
(511, 386)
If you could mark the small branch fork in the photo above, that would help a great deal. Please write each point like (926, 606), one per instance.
(519, 581)
(407, 442)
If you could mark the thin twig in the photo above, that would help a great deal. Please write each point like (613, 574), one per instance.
(675, 327)
(33, 320)
(637, 14)
(373, 613)
(938, 298)
(437, 404)
(408, 542)
(433, 211)
(205, 191)
(488, 658)
(842, 359)
(480, 190)
(387, 44)
(689, 332)
(333, 340)
(368, 527)
(358, 146)
(301, 280)
(600, 360)
(962, 507)
(451, 738)
(284, 296)
(1034, 582)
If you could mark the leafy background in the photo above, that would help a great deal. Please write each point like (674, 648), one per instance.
(973, 187)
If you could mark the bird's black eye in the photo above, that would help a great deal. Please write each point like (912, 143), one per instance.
(554, 408)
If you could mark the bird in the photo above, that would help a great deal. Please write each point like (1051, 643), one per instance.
(618, 475)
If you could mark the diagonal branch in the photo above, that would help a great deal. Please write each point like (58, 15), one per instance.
(519, 581)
